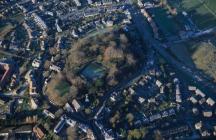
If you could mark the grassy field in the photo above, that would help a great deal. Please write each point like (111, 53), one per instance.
(63, 88)
(58, 90)
(203, 12)
(203, 61)
(166, 23)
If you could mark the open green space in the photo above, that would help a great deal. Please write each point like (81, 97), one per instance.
(202, 12)
(166, 22)
(59, 90)
(63, 87)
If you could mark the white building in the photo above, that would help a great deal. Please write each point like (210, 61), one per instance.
(39, 21)
(191, 88)
(76, 105)
(158, 83)
(36, 63)
(210, 101)
(77, 2)
(200, 93)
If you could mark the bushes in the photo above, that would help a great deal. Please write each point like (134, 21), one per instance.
(137, 134)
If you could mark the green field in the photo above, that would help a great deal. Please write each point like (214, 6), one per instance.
(203, 12)
(63, 88)
(166, 23)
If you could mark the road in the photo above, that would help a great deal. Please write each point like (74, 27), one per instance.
(195, 35)
(193, 74)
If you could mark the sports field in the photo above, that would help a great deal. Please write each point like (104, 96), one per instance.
(202, 12)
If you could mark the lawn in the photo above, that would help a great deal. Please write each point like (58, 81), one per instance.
(63, 88)
(166, 23)
(202, 12)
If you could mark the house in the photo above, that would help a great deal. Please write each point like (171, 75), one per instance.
(192, 88)
(76, 105)
(214, 133)
(39, 131)
(70, 122)
(107, 2)
(131, 91)
(19, 132)
(158, 83)
(195, 111)
(55, 68)
(151, 100)
(83, 127)
(39, 21)
(98, 3)
(193, 100)
(74, 34)
(155, 117)
(162, 89)
(48, 114)
(207, 113)
(89, 2)
(165, 114)
(59, 125)
(33, 103)
(77, 2)
(200, 93)
(3, 116)
(109, 23)
(31, 83)
(201, 101)
(210, 101)
(91, 12)
(198, 125)
(2, 102)
(140, 4)
(205, 133)
(172, 112)
(68, 107)
(36, 63)
(141, 100)
(178, 98)
(112, 98)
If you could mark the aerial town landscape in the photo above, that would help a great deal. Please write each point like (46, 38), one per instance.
(107, 69)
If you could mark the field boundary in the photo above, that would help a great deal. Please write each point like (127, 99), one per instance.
(209, 9)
